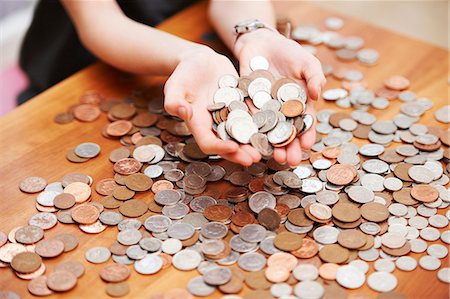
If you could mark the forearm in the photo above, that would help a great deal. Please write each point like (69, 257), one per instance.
(124, 43)
(224, 15)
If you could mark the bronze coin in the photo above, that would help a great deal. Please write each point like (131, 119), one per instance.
(85, 214)
(347, 225)
(74, 267)
(269, 218)
(334, 253)
(298, 217)
(123, 193)
(373, 211)
(403, 196)
(63, 118)
(61, 281)
(123, 111)
(109, 202)
(233, 286)
(217, 212)
(308, 249)
(404, 250)
(193, 151)
(127, 166)
(401, 171)
(115, 273)
(86, 112)
(106, 186)
(117, 289)
(242, 218)
(64, 201)
(38, 286)
(119, 128)
(391, 156)
(32, 184)
(144, 119)
(257, 280)
(346, 212)
(138, 182)
(119, 153)
(396, 82)
(424, 193)
(352, 238)
(362, 131)
(49, 248)
(288, 241)
(26, 262)
(118, 249)
(340, 174)
(133, 208)
(292, 108)
(70, 241)
(336, 117)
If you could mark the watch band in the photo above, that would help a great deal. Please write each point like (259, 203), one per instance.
(249, 26)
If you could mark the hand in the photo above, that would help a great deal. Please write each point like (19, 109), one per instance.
(286, 59)
(190, 89)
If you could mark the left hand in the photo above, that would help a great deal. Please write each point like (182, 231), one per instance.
(286, 58)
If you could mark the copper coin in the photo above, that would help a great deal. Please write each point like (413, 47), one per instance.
(233, 286)
(81, 191)
(373, 211)
(340, 174)
(269, 218)
(28, 234)
(362, 131)
(133, 208)
(64, 201)
(32, 184)
(328, 271)
(397, 82)
(242, 218)
(145, 119)
(123, 111)
(387, 93)
(122, 193)
(114, 273)
(336, 117)
(334, 253)
(161, 185)
(26, 262)
(292, 108)
(277, 273)
(70, 241)
(401, 171)
(404, 250)
(109, 202)
(117, 289)
(119, 128)
(106, 186)
(288, 241)
(298, 217)
(127, 166)
(257, 280)
(403, 196)
(217, 212)
(118, 154)
(49, 248)
(61, 281)
(38, 286)
(32, 275)
(85, 214)
(94, 228)
(308, 249)
(63, 118)
(74, 267)
(352, 238)
(424, 193)
(86, 112)
(138, 182)
(346, 212)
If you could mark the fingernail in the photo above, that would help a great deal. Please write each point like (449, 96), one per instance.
(182, 112)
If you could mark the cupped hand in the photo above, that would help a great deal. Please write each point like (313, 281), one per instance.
(188, 92)
(286, 58)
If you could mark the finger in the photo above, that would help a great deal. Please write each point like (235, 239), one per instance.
(294, 153)
(200, 126)
(279, 154)
(254, 154)
(239, 157)
(312, 72)
(308, 138)
(176, 105)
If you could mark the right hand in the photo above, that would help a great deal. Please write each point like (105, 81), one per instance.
(190, 89)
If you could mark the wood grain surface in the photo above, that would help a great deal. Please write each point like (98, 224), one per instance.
(32, 144)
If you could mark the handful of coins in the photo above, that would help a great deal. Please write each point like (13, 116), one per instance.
(281, 105)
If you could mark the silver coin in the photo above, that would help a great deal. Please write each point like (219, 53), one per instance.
(326, 234)
(171, 246)
(197, 287)
(97, 255)
(306, 272)
(360, 194)
(228, 80)
(369, 255)
(110, 217)
(361, 265)
(309, 290)
(252, 233)
(267, 246)
(239, 245)
(87, 150)
(167, 197)
(252, 261)
(45, 198)
(129, 237)
(157, 223)
(260, 200)
(122, 259)
(135, 252)
(259, 63)
(153, 171)
(217, 276)
(430, 263)
(350, 277)
(186, 260)
(151, 264)
(384, 265)
(406, 263)
(280, 290)
(430, 234)
(214, 230)
(176, 211)
(382, 282)
(129, 224)
(444, 275)
(437, 250)
(150, 244)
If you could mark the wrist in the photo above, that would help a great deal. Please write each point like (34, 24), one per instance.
(192, 49)
(254, 39)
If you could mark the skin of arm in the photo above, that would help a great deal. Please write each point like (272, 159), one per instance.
(105, 30)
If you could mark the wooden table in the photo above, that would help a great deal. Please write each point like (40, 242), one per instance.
(32, 144)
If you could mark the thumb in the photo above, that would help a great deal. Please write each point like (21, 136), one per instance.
(178, 106)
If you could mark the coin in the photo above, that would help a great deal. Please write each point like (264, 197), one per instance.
(32, 184)
(114, 273)
(117, 289)
(26, 262)
(49, 248)
(61, 281)
(38, 286)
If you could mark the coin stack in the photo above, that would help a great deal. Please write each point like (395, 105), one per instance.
(280, 115)
(346, 216)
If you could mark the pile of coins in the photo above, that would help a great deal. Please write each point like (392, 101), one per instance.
(308, 231)
(280, 115)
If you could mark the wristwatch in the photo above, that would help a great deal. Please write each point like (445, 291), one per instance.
(249, 26)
